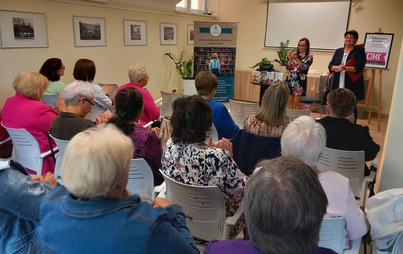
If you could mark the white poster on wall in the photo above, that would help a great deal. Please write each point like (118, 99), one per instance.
(377, 48)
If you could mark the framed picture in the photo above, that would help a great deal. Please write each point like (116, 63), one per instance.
(89, 32)
(377, 49)
(169, 34)
(135, 32)
(23, 29)
(191, 34)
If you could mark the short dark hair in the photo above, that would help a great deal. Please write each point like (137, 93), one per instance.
(353, 33)
(308, 46)
(205, 82)
(128, 102)
(50, 68)
(341, 102)
(84, 70)
(191, 119)
(284, 206)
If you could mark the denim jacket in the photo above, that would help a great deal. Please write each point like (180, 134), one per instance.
(111, 225)
(20, 197)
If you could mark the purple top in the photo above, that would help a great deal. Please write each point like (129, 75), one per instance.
(147, 146)
(240, 246)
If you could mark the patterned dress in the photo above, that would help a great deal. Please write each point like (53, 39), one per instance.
(296, 79)
(254, 126)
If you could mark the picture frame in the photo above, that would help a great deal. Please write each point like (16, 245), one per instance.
(89, 32)
(135, 32)
(23, 29)
(377, 49)
(191, 36)
(168, 34)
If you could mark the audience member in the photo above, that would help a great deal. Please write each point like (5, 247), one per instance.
(214, 65)
(53, 69)
(206, 86)
(271, 119)
(94, 213)
(84, 70)
(284, 207)
(129, 108)
(25, 111)
(298, 67)
(20, 197)
(341, 133)
(187, 159)
(139, 79)
(306, 139)
(79, 97)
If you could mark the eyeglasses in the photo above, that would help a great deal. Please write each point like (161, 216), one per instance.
(90, 102)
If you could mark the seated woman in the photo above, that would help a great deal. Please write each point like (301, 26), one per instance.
(271, 119)
(189, 160)
(93, 212)
(284, 207)
(139, 79)
(84, 70)
(53, 69)
(129, 108)
(25, 111)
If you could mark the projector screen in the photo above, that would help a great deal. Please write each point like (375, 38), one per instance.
(323, 23)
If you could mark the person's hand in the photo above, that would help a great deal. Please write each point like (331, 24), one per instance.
(223, 144)
(104, 117)
(293, 56)
(49, 177)
(60, 105)
(160, 202)
(107, 89)
(338, 68)
(157, 131)
(37, 178)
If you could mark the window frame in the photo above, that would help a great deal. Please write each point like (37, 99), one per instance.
(188, 8)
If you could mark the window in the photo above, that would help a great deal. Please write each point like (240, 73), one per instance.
(195, 5)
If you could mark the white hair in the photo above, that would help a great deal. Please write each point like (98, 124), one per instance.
(305, 139)
(137, 73)
(77, 89)
(96, 161)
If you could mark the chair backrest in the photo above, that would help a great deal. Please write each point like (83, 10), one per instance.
(62, 145)
(239, 111)
(26, 149)
(50, 100)
(331, 234)
(293, 114)
(141, 180)
(213, 133)
(167, 100)
(350, 164)
(204, 207)
(248, 149)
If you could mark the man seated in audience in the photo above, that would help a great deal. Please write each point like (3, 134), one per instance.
(79, 97)
(284, 208)
(305, 139)
(342, 133)
(206, 86)
(20, 197)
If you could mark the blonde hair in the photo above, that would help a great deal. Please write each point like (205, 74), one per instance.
(96, 161)
(273, 110)
(31, 84)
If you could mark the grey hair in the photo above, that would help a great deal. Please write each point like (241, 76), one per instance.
(137, 73)
(77, 89)
(284, 206)
(305, 139)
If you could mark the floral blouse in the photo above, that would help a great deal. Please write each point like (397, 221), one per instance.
(296, 79)
(200, 164)
(254, 126)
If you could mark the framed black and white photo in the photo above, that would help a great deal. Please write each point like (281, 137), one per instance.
(191, 34)
(23, 29)
(168, 34)
(89, 32)
(135, 32)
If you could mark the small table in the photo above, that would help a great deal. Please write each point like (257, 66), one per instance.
(263, 87)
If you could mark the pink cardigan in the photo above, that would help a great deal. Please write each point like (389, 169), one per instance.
(151, 111)
(34, 116)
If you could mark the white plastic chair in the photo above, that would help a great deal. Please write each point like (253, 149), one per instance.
(239, 110)
(293, 114)
(26, 149)
(204, 207)
(166, 104)
(141, 180)
(350, 164)
(213, 133)
(62, 145)
(50, 100)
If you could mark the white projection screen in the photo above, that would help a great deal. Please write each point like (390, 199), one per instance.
(323, 23)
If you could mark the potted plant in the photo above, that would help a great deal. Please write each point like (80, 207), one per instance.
(183, 67)
(283, 54)
(264, 65)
